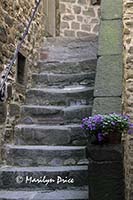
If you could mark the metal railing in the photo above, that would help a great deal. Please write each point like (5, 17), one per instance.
(6, 72)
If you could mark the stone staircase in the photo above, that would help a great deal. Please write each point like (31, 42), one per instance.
(49, 144)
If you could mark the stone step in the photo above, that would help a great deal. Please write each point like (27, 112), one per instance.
(26, 156)
(61, 80)
(65, 135)
(75, 194)
(54, 114)
(69, 49)
(86, 66)
(62, 177)
(16, 195)
(70, 42)
(66, 96)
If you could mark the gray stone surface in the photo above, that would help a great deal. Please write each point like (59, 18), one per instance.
(3, 110)
(68, 67)
(111, 9)
(77, 95)
(106, 181)
(76, 194)
(63, 195)
(109, 76)
(16, 195)
(55, 114)
(3, 34)
(15, 177)
(105, 153)
(35, 155)
(61, 80)
(49, 135)
(14, 109)
(107, 105)
(110, 39)
(70, 49)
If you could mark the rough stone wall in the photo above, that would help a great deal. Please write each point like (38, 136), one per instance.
(14, 16)
(128, 92)
(79, 18)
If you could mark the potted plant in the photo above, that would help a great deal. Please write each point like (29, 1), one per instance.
(106, 128)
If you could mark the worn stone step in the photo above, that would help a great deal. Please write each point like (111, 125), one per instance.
(65, 135)
(16, 195)
(69, 49)
(36, 177)
(26, 156)
(75, 194)
(61, 80)
(54, 114)
(86, 66)
(67, 96)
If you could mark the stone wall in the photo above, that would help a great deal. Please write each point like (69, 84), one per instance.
(128, 92)
(79, 18)
(14, 16)
(105, 172)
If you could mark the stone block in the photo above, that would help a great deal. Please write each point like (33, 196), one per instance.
(107, 105)
(80, 18)
(105, 153)
(110, 39)
(96, 28)
(64, 25)
(111, 9)
(3, 34)
(9, 20)
(50, 135)
(75, 25)
(90, 12)
(8, 135)
(35, 156)
(86, 27)
(106, 181)
(77, 9)
(62, 8)
(109, 76)
(84, 34)
(14, 109)
(82, 1)
(17, 195)
(8, 177)
(68, 17)
(68, 1)
(62, 195)
(69, 33)
(3, 112)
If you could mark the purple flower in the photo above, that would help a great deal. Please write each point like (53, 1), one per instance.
(113, 123)
(100, 137)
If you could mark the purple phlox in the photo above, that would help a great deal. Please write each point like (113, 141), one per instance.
(113, 123)
(100, 137)
(98, 118)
